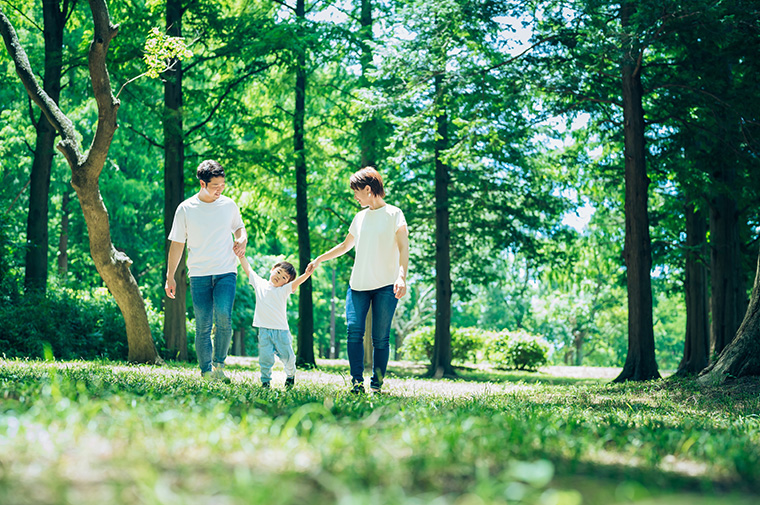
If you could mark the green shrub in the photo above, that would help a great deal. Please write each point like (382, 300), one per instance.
(517, 349)
(73, 324)
(418, 345)
(466, 344)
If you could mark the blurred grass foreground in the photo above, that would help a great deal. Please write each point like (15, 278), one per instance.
(109, 433)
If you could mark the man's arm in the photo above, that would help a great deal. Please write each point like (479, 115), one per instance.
(175, 255)
(402, 238)
(241, 241)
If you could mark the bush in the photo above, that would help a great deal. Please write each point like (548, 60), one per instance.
(466, 344)
(517, 349)
(72, 324)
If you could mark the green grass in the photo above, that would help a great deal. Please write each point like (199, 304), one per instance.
(109, 433)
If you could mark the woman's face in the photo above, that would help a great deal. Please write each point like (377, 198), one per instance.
(363, 196)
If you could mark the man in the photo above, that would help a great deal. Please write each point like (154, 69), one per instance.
(207, 221)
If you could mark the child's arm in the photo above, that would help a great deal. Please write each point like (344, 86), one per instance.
(246, 265)
(300, 280)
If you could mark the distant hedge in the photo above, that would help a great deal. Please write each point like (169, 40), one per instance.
(503, 349)
(70, 324)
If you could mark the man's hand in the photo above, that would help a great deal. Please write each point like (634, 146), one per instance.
(239, 247)
(170, 287)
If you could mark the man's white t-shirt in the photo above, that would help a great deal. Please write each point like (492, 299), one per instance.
(271, 303)
(207, 228)
(377, 255)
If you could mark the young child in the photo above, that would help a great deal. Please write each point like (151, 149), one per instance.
(271, 317)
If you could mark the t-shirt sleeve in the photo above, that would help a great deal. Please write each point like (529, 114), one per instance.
(178, 232)
(400, 220)
(353, 228)
(237, 221)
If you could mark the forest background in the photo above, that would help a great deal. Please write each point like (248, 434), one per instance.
(510, 133)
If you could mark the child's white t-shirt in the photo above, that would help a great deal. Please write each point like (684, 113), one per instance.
(376, 262)
(271, 303)
(207, 228)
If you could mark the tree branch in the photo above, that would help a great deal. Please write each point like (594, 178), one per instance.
(150, 140)
(221, 98)
(31, 21)
(68, 144)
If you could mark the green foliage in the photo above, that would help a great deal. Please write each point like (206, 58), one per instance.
(75, 325)
(466, 344)
(418, 345)
(161, 49)
(109, 430)
(527, 352)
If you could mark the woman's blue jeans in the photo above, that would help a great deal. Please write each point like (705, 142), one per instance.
(383, 302)
(213, 296)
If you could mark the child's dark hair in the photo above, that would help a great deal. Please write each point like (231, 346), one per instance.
(208, 169)
(368, 176)
(289, 269)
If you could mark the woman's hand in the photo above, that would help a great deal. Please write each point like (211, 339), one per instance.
(399, 288)
(312, 266)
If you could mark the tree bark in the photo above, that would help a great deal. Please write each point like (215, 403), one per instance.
(640, 363)
(36, 273)
(728, 299)
(175, 329)
(441, 362)
(696, 354)
(63, 240)
(112, 265)
(305, 353)
(741, 358)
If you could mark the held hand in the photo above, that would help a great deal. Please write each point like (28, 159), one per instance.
(170, 288)
(399, 288)
(239, 247)
(312, 266)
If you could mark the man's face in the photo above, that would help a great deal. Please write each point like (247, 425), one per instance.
(278, 277)
(212, 189)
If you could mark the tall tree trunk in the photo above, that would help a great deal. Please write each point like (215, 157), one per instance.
(640, 364)
(441, 363)
(63, 241)
(175, 329)
(333, 354)
(112, 265)
(728, 300)
(696, 353)
(305, 353)
(741, 358)
(35, 277)
(367, 141)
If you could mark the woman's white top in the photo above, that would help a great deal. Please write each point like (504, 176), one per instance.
(377, 255)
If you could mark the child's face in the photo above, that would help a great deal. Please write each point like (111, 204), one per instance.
(278, 277)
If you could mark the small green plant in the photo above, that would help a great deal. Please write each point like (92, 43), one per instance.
(517, 349)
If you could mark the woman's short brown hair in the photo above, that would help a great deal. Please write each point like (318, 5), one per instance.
(368, 176)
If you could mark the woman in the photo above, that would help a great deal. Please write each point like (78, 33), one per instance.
(378, 277)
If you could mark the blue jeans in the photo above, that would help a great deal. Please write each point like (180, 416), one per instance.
(213, 296)
(275, 342)
(383, 302)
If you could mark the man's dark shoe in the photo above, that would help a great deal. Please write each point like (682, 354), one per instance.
(290, 382)
(265, 385)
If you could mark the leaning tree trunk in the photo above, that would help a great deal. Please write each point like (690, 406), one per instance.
(696, 353)
(305, 353)
(640, 364)
(441, 362)
(742, 356)
(112, 265)
(175, 315)
(36, 271)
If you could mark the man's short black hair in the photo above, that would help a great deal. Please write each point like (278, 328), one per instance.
(208, 169)
(289, 269)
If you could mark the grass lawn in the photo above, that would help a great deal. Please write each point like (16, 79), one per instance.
(110, 433)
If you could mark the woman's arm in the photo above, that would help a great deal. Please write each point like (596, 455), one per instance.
(338, 250)
(402, 239)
